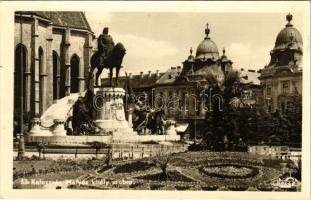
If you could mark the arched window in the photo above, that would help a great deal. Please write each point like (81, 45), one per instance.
(56, 76)
(19, 76)
(38, 84)
(74, 73)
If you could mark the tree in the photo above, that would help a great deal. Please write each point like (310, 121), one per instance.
(222, 125)
(162, 161)
(294, 116)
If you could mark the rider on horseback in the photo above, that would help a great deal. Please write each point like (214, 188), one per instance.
(105, 45)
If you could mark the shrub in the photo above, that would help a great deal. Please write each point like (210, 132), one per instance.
(264, 187)
(238, 187)
(182, 187)
(155, 186)
(209, 187)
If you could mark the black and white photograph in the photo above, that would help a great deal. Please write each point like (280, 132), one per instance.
(179, 100)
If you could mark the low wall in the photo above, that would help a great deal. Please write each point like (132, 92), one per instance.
(69, 139)
(119, 151)
(105, 139)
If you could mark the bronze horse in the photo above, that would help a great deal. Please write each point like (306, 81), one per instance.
(114, 60)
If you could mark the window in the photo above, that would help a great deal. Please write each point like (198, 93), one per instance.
(170, 95)
(285, 89)
(269, 108)
(283, 106)
(269, 90)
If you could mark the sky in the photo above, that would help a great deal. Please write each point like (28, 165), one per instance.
(158, 41)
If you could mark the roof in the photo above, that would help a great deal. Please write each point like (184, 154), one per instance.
(137, 81)
(169, 76)
(70, 19)
(207, 49)
(288, 35)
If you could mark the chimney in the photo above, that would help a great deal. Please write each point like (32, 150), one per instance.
(130, 75)
(149, 74)
(158, 73)
(141, 74)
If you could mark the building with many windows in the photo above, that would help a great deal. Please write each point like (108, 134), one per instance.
(283, 75)
(52, 53)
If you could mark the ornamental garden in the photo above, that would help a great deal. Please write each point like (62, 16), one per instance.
(208, 171)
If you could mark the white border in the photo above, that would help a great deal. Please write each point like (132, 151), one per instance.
(6, 96)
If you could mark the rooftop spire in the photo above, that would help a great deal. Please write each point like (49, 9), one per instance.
(289, 18)
(190, 57)
(224, 51)
(207, 30)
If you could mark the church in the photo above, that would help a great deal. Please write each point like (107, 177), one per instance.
(52, 53)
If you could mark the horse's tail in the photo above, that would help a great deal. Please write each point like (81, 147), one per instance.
(93, 61)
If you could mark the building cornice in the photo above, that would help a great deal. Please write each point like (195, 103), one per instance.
(274, 75)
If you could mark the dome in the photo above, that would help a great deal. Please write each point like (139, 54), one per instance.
(288, 35)
(207, 49)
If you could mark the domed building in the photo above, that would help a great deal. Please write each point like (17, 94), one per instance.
(206, 62)
(283, 75)
(184, 83)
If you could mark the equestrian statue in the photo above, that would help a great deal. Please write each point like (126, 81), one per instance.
(108, 56)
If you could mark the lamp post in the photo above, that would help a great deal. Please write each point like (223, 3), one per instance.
(21, 147)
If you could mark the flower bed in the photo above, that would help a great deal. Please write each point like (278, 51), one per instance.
(171, 176)
(133, 167)
(230, 171)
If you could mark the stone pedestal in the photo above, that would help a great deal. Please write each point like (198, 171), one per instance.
(59, 129)
(36, 130)
(109, 108)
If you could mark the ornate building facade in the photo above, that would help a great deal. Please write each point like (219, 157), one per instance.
(283, 75)
(52, 53)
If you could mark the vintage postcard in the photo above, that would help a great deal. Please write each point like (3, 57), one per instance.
(188, 99)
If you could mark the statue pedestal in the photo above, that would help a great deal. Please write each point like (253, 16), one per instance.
(109, 109)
